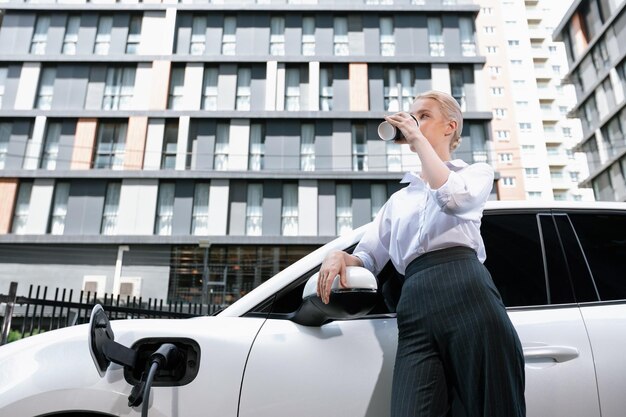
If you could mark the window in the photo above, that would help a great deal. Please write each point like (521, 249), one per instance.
(40, 36)
(534, 195)
(243, 89)
(326, 89)
(495, 70)
(486, 10)
(277, 36)
(492, 49)
(118, 88)
(254, 210)
(46, 88)
(340, 38)
(531, 172)
(516, 62)
(22, 205)
(110, 147)
(497, 91)
(134, 35)
(513, 43)
(111, 207)
(574, 176)
(344, 208)
(508, 181)
(229, 36)
(220, 162)
(521, 104)
(71, 35)
(435, 37)
(290, 210)
(292, 89)
(165, 209)
(602, 239)
(519, 83)
(198, 36)
(308, 36)
(5, 136)
(209, 89)
(3, 78)
(59, 208)
(525, 127)
(567, 132)
(399, 89)
(499, 113)
(379, 197)
(359, 148)
(394, 157)
(307, 147)
(552, 49)
(200, 213)
(506, 158)
(528, 148)
(489, 29)
(170, 142)
(502, 134)
(103, 36)
(563, 110)
(257, 147)
(177, 88)
(459, 77)
(51, 146)
(387, 40)
(466, 27)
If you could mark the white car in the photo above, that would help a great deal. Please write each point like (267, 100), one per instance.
(560, 268)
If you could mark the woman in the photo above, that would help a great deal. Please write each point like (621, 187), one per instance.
(453, 330)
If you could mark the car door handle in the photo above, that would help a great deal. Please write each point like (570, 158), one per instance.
(557, 353)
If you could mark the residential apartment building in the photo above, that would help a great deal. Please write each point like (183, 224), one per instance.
(191, 150)
(594, 33)
(533, 139)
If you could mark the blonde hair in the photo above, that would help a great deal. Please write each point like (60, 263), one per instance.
(450, 109)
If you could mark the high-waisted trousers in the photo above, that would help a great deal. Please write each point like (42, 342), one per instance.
(455, 340)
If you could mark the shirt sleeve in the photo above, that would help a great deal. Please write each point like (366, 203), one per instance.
(373, 249)
(465, 192)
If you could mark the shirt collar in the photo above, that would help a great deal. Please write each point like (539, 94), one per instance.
(414, 176)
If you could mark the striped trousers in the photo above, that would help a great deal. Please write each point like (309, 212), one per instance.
(455, 341)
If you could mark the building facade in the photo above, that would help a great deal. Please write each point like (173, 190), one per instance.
(594, 33)
(191, 150)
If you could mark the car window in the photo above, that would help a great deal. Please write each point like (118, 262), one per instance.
(516, 261)
(603, 240)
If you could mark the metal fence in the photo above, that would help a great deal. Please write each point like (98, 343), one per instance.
(37, 313)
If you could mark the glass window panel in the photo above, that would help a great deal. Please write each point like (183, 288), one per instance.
(170, 144)
(394, 157)
(71, 35)
(326, 89)
(290, 210)
(307, 147)
(22, 206)
(177, 86)
(229, 35)
(387, 40)
(468, 46)
(134, 35)
(243, 89)
(277, 35)
(200, 215)
(257, 148)
(435, 36)
(5, 136)
(165, 209)
(221, 147)
(51, 146)
(59, 208)
(40, 35)
(341, 36)
(103, 36)
(308, 36)
(198, 36)
(209, 90)
(292, 89)
(46, 88)
(254, 210)
(359, 148)
(111, 206)
(344, 208)
(379, 197)
(111, 146)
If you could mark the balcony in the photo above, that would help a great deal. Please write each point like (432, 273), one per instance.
(546, 93)
(540, 53)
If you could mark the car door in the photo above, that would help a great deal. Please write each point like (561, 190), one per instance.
(597, 251)
(344, 368)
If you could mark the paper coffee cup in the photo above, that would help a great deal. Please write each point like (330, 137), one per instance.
(387, 132)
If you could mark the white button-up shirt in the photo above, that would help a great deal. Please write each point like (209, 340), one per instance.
(418, 219)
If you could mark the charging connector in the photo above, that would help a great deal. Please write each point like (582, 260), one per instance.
(165, 357)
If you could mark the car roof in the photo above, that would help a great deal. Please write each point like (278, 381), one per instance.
(557, 205)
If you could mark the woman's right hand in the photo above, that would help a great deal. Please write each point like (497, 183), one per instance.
(334, 264)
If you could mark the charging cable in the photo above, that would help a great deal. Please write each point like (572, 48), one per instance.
(166, 356)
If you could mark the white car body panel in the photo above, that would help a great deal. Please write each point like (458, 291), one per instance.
(606, 325)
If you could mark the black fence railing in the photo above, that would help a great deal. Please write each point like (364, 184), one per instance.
(36, 313)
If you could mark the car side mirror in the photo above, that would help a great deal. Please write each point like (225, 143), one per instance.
(354, 301)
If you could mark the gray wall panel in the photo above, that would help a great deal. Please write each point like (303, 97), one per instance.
(341, 87)
(291, 149)
(404, 34)
(376, 149)
(327, 221)
(66, 144)
(420, 35)
(282, 146)
(371, 34)
(84, 207)
(361, 204)
(119, 34)
(204, 132)
(273, 147)
(95, 88)
(227, 86)
(261, 34)
(423, 78)
(356, 40)
(293, 35)
(323, 145)
(87, 34)
(238, 201)
(10, 86)
(272, 199)
(70, 87)
(257, 88)
(376, 87)
(342, 145)
(214, 29)
(17, 33)
(324, 35)
(183, 207)
(245, 36)
(56, 32)
(16, 149)
(451, 35)
(183, 34)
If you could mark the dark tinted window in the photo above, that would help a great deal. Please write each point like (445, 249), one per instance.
(515, 259)
(603, 239)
